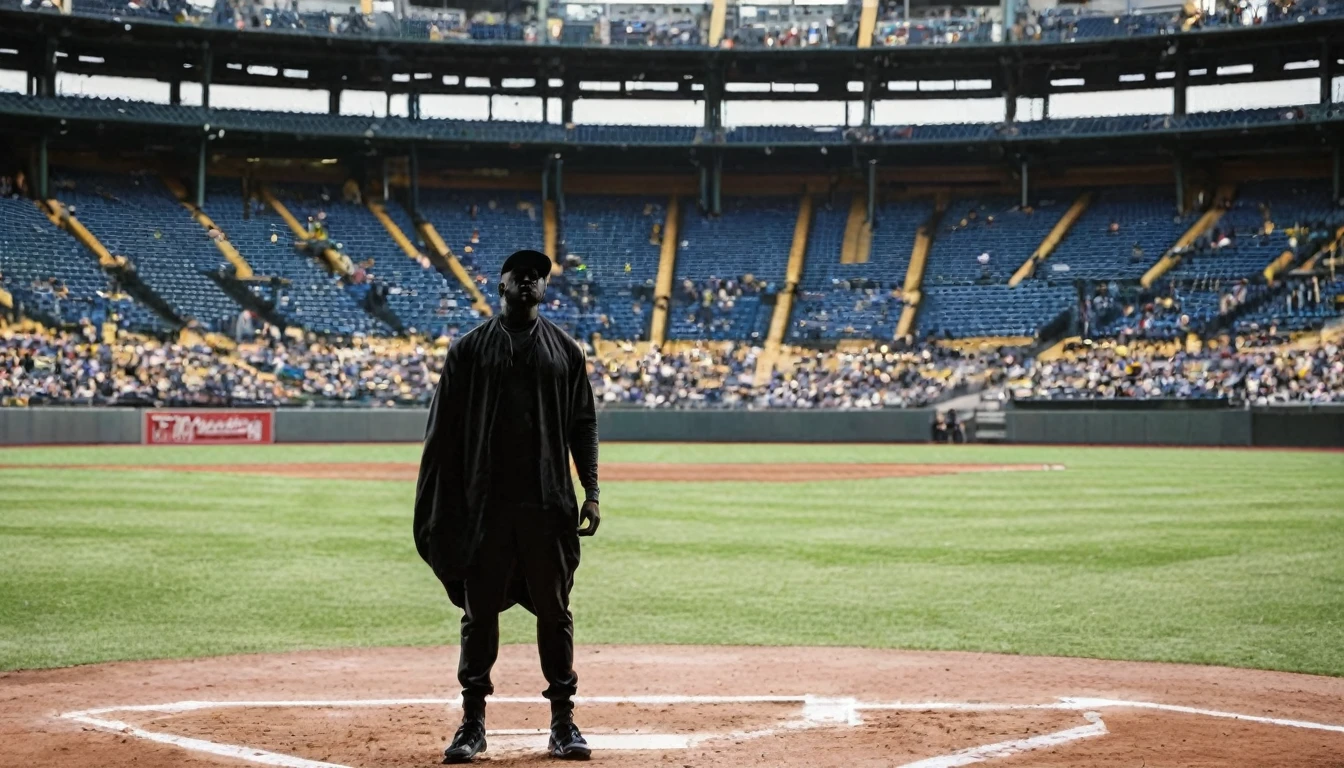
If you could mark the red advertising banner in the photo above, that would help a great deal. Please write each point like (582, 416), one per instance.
(208, 427)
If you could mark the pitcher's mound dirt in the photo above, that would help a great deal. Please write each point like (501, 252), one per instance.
(610, 472)
(836, 707)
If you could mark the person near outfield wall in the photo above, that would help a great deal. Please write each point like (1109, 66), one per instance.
(495, 512)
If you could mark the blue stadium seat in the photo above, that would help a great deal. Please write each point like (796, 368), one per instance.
(752, 237)
(137, 217)
(33, 251)
(613, 238)
(1147, 217)
(992, 310)
(996, 225)
(314, 299)
(855, 300)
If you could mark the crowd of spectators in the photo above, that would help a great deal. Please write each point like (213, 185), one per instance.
(771, 27)
(710, 301)
(78, 368)
(39, 368)
(1137, 370)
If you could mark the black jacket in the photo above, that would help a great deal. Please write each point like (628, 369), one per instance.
(452, 494)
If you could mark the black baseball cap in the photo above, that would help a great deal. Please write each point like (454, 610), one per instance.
(528, 258)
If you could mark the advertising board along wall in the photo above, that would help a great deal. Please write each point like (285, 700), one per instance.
(208, 427)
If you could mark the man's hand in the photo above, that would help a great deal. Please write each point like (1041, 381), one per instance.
(589, 518)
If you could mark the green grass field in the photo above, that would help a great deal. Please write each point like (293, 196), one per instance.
(1219, 557)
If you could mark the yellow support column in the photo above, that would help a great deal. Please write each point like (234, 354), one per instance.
(1052, 239)
(62, 218)
(431, 236)
(858, 240)
(275, 205)
(1280, 263)
(718, 15)
(914, 274)
(779, 321)
(403, 242)
(240, 265)
(667, 268)
(1171, 258)
(550, 232)
(6, 300)
(867, 23)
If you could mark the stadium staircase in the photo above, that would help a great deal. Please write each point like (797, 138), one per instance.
(858, 242)
(667, 268)
(914, 275)
(330, 256)
(116, 266)
(1052, 240)
(442, 256)
(1203, 224)
(242, 269)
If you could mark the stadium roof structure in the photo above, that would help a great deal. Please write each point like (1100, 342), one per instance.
(130, 47)
(43, 44)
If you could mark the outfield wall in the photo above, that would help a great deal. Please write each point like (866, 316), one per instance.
(1316, 426)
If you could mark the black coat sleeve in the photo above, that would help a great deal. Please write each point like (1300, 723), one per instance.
(583, 427)
(435, 485)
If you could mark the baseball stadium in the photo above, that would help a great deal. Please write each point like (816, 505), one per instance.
(952, 384)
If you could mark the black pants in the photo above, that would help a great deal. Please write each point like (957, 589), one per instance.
(525, 541)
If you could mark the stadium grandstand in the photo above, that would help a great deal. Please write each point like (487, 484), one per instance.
(193, 213)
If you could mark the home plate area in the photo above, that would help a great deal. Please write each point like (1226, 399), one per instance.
(399, 732)
(672, 707)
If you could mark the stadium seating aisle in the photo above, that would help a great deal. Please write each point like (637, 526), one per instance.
(314, 299)
(34, 253)
(993, 226)
(614, 239)
(1145, 216)
(727, 265)
(137, 217)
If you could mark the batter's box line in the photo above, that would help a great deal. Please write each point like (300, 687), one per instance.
(817, 712)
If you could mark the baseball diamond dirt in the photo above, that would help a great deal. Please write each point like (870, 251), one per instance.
(676, 706)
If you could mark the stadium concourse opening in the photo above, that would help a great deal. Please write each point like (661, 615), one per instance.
(655, 706)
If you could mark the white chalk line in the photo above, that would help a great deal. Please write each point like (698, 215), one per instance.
(817, 712)
(970, 755)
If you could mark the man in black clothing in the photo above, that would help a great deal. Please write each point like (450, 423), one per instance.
(495, 511)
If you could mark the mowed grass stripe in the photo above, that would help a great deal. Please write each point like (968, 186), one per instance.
(1227, 557)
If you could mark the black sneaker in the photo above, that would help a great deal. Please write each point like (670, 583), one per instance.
(567, 743)
(469, 742)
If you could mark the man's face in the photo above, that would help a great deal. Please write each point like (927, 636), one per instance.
(523, 286)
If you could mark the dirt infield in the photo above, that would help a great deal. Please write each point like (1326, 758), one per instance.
(657, 706)
(610, 472)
